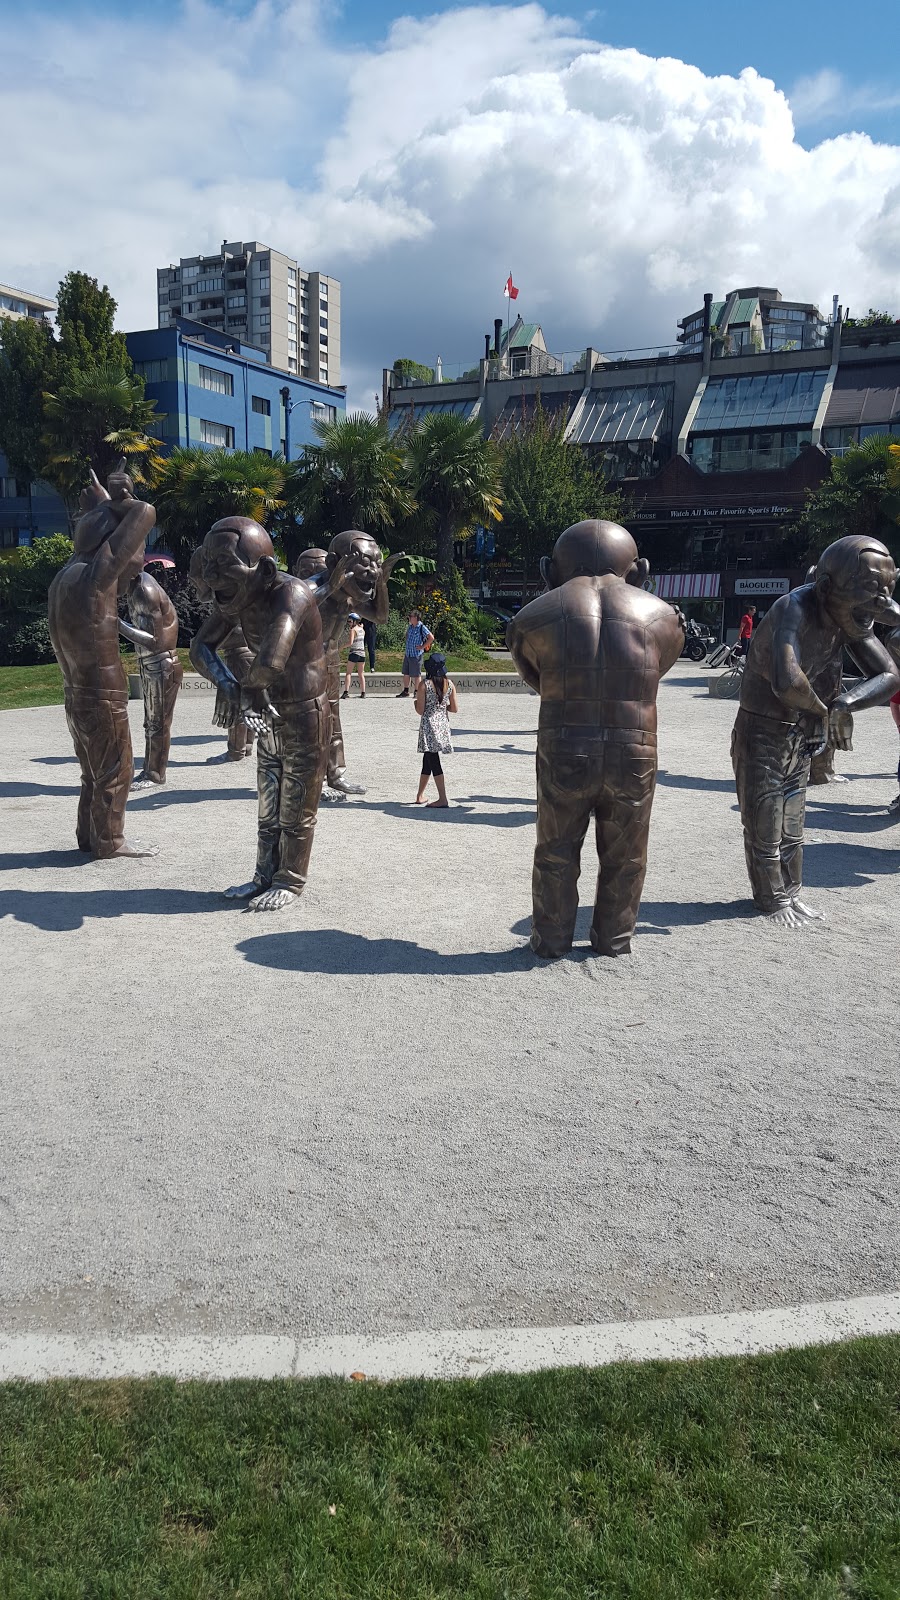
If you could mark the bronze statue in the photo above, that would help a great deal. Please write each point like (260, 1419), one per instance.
(283, 696)
(364, 589)
(153, 631)
(793, 665)
(594, 646)
(83, 605)
(237, 658)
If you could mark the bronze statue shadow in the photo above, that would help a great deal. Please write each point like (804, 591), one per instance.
(150, 800)
(850, 819)
(681, 780)
(458, 811)
(198, 738)
(27, 860)
(21, 791)
(334, 953)
(838, 865)
(661, 916)
(62, 911)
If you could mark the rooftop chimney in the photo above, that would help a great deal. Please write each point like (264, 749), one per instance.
(498, 334)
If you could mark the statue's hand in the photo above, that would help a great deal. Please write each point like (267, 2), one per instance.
(257, 710)
(120, 485)
(392, 561)
(338, 575)
(228, 705)
(840, 727)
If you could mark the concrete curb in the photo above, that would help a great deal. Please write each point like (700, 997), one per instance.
(467, 1353)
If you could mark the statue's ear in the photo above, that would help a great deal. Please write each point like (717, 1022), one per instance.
(331, 561)
(638, 573)
(548, 573)
(266, 569)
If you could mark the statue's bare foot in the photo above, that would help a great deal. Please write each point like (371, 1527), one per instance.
(787, 917)
(809, 912)
(350, 788)
(242, 891)
(223, 755)
(131, 847)
(836, 777)
(332, 797)
(143, 782)
(271, 900)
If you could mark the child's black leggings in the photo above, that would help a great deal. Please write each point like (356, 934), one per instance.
(431, 765)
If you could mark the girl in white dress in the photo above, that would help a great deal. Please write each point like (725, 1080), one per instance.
(435, 699)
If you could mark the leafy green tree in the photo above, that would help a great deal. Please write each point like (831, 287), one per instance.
(861, 495)
(547, 485)
(454, 475)
(352, 479)
(25, 573)
(27, 356)
(410, 371)
(192, 488)
(85, 314)
(97, 415)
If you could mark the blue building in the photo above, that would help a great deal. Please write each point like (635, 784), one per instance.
(27, 511)
(211, 389)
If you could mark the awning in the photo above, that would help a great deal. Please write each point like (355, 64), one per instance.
(867, 393)
(517, 415)
(771, 400)
(619, 416)
(685, 585)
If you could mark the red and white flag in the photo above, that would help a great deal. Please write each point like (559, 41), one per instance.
(510, 290)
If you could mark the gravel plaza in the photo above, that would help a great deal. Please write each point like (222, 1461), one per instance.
(376, 1112)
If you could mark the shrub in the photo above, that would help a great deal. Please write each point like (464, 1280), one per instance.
(24, 639)
(392, 634)
(488, 630)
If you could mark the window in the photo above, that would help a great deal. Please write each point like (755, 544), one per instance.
(190, 272)
(235, 300)
(213, 378)
(323, 374)
(264, 284)
(304, 320)
(163, 297)
(292, 363)
(217, 433)
(284, 447)
(323, 323)
(292, 276)
(773, 400)
(292, 325)
(323, 342)
(152, 371)
(9, 538)
(210, 286)
(323, 291)
(304, 337)
(265, 300)
(323, 305)
(320, 412)
(260, 450)
(263, 407)
(264, 319)
(263, 263)
(748, 452)
(292, 347)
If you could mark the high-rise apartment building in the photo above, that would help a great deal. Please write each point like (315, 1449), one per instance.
(266, 300)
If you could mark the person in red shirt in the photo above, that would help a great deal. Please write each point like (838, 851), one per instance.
(745, 632)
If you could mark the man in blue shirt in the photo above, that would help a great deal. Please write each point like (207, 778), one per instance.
(418, 640)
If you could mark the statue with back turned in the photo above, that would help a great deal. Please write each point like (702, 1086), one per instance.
(594, 646)
(793, 708)
(83, 614)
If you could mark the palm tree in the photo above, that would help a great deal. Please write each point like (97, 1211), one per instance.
(98, 415)
(193, 488)
(352, 479)
(454, 473)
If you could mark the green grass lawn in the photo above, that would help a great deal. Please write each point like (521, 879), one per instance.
(42, 686)
(726, 1480)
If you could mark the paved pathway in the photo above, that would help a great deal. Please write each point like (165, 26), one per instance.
(374, 1113)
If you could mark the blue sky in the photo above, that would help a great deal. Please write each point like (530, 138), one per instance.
(419, 163)
(850, 50)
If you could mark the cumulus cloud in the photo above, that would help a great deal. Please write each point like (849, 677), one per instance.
(616, 187)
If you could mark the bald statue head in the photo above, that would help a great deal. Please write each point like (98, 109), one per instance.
(311, 562)
(364, 566)
(855, 579)
(592, 549)
(236, 551)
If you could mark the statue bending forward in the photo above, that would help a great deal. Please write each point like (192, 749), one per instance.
(283, 697)
(363, 589)
(793, 664)
(83, 613)
(594, 647)
(153, 631)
